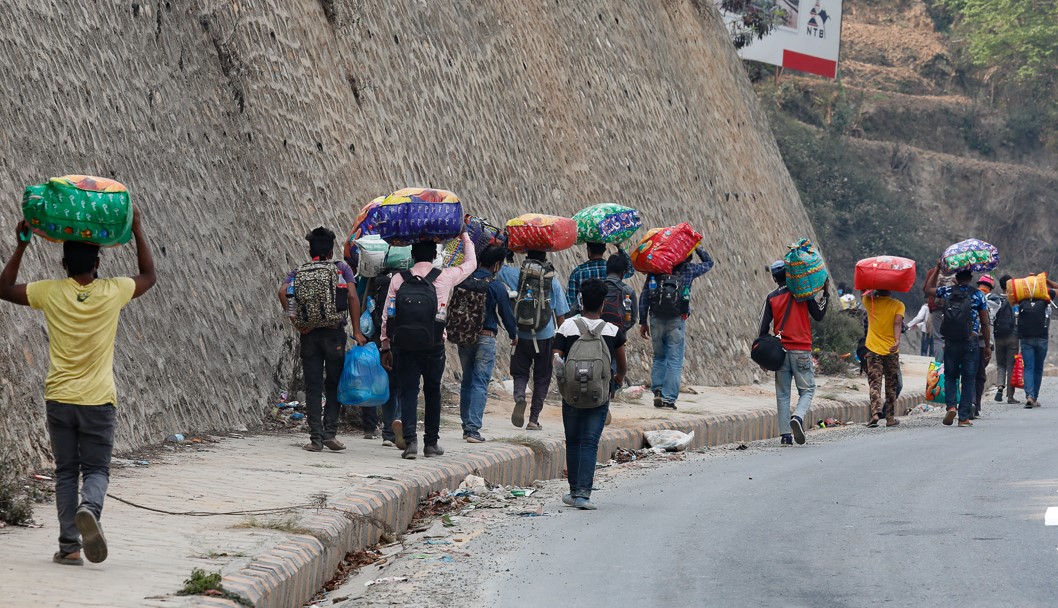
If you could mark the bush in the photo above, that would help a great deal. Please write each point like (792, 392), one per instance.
(832, 364)
(16, 501)
(838, 333)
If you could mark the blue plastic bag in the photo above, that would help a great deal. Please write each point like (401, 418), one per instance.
(367, 320)
(364, 381)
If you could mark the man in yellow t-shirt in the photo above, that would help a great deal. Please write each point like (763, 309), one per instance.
(885, 320)
(82, 314)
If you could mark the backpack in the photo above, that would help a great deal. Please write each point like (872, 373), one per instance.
(1004, 324)
(958, 316)
(321, 298)
(466, 310)
(532, 309)
(613, 306)
(584, 379)
(1034, 318)
(667, 297)
(415, 326)
(379, 290)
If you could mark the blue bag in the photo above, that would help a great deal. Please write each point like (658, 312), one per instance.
(367, 319)
(364, 381)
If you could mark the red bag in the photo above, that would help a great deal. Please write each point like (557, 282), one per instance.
(1017, 379)
(663, 248)
(885, 272)
(539, 232)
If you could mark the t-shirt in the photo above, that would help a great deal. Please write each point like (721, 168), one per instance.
(568, 333)
(82, 322)
(881, 315)
(977, 301)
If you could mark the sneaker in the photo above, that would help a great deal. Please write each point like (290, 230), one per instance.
(334, 445)
(313, 447)
(965, 423)
(950, 417)
(472, 438)
(999, 395)
(411, 452)
(584, 504)
(669, 405)
(369, 436)
(518, 415)
(658, 401)
(893, 422)
(568, 500)
(388, 443)
(92, 539)
(398, 434)
(434, 450)
(786, 439)
(797, 426)
(533, 426)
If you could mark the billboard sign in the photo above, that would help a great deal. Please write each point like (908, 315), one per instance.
(808, 40)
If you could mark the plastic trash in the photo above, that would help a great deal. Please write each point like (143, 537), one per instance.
(175, 438)
(364, 381)
(474, 484)
(297, 416)
(669, 440)
(388, 579)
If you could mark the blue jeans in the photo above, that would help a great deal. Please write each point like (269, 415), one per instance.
(477, 360)
(926, 345)
(1033, 352)
(583, 429)
(960, 367)
(668, 337)
(798, 369)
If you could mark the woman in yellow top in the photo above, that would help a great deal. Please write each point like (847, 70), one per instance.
(885, 320)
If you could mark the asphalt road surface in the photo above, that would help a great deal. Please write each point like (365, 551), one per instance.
(924, 516)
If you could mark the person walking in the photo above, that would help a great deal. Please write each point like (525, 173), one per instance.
(82, 313)
(413, 342)
(664, 307)
(885, 319)
(539, 303)
(921, 322)
(985, 285)
(1034, 324)
(1005, 337)
(380, 419)
(936, 312)
(318, 302)
(584, 347)
(478, 305)
(594, 268)
(791, 322)
(965, 319)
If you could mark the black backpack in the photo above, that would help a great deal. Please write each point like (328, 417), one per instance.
(466, 310)
(613, 306)
(957, 325)
(1034, 318)
(1004, 323)
(667, 298)
(415, 325)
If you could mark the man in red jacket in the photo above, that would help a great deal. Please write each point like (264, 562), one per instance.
(790, 319)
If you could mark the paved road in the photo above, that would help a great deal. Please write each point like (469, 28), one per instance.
(932, 516)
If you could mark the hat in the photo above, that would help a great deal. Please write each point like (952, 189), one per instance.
(987, 280)
(777, 267)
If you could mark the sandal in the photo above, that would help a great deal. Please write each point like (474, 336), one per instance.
(874, 421)
(61, 558)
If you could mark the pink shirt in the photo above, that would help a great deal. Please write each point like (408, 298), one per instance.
(449, 278)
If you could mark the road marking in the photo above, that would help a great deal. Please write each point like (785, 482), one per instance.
(1051, 518)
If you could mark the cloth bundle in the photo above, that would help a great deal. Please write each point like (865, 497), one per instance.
(539, 232)
(79, 208)
(364, 225)
(886, 272)
(606, 223)
(1029, 288)
(482, 234)
(412, 215)
(805, 273)
(972, 254)
(377, 255)
(662, 248)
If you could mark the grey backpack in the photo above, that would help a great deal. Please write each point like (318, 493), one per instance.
(584, 380)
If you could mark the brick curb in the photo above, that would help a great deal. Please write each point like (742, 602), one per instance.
(290, 573)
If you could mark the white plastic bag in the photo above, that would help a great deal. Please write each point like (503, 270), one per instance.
(668, 440)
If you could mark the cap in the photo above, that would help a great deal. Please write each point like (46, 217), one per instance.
(987, 280)
(777, 267)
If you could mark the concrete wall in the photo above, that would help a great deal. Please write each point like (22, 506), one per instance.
(240, 125)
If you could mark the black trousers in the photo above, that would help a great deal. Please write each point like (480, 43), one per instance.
(409, 367)
(322, 358)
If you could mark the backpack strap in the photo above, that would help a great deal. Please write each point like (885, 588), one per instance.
(432, 276)
(407, 276)
(582, 326)
(785, 316)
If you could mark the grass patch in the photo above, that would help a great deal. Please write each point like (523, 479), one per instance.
(219, 554)
(208, 583)
(289, 523)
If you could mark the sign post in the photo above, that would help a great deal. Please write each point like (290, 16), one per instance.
(808, 40)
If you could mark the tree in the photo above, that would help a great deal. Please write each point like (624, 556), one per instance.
(759, 18)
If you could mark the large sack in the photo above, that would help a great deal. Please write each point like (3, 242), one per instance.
(662, 248)
(79, 208)
(482, 234)
(364, 381)
(411, 215)
(377, 255)
(886, 272)
(606, 223)
(364, 225)
(805, 273)
(972, 254)
(1029, 288)
(539, 232)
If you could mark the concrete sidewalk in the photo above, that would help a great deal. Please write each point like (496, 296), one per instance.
(152, 553)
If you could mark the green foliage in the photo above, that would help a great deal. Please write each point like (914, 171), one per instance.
(832, 364)
(838, 333)
(759, 18)
(200, 582)
(1020, 37)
